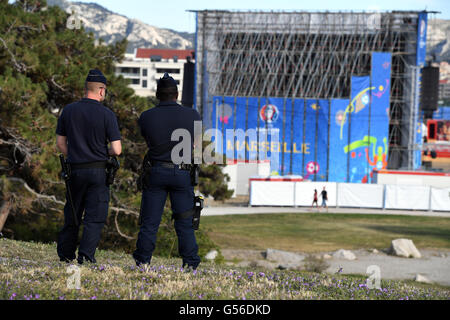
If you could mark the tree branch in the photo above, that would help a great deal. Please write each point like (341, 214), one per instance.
(19, 145)
(20, 67)
(118, 229)
(4, 212)
(53, 199)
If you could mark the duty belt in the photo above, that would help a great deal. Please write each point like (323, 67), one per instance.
(89, 165)
(171, 165)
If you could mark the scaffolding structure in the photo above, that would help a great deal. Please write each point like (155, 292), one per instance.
(310, 55)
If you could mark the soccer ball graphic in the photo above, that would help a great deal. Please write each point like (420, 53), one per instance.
(312, 167)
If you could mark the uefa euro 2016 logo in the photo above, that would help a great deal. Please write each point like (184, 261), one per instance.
(269, 113)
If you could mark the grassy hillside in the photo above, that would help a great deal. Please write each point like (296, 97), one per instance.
(31, 271)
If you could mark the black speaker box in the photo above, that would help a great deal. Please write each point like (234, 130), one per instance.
(430, 89)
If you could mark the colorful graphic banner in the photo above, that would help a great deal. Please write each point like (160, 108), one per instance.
(310, 165)
(377, 152)
(357, 115)
(297, 137)
(422, 39)
(420, 62)
(321, 151)
(338, 140)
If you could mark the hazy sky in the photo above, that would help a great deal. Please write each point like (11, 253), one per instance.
(172, 14)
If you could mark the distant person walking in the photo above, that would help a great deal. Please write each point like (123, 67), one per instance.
(324, 196)
(315, 199)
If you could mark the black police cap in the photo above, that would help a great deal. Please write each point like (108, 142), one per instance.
(166, 82)
(96, 75)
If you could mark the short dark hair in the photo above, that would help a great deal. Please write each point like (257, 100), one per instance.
(167, 94)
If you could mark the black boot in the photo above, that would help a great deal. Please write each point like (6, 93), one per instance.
(82, 259)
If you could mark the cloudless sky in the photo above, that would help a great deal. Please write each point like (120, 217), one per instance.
(172, 14)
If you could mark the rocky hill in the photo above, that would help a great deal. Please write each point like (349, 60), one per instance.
(439, 39)
(112, 27)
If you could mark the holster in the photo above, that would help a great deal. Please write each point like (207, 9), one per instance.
(112, 165)
(145, 170)
(198, 207)
(195, 213)
(195, 173)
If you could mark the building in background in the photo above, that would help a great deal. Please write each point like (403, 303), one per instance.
(145, 66)
(444, 70)
(444, 92)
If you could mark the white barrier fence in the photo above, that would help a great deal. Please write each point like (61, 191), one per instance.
(299, 194)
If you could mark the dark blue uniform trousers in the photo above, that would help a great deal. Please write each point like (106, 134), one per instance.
(90, 195)
(160, 182)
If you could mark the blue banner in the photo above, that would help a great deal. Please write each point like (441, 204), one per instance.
(271, 126)
(420, 62)
(338, 167)
(288, 142)
(442, 113)
(358, 117)
(422, 39)
(241, 123)
(297, 138)
(322, 141)
(226, 120)
(311, 167)
(377, 152)
(216, 111)
(252, 127)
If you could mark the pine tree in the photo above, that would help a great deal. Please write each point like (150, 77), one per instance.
(43, 66)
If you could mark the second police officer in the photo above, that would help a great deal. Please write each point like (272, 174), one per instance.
(165, 178)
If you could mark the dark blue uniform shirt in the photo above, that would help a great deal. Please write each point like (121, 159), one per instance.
(88, 126)
(158, 124)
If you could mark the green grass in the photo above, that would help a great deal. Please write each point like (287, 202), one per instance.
(31, 271)
(315, 232)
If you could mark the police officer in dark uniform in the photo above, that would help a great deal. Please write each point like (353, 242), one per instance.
(166, 178)
(84, 130)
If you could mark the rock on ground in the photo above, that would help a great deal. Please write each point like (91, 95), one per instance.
(421, 278)
(284, 257)
(404, 248)
(344, 254)
(211, 255)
